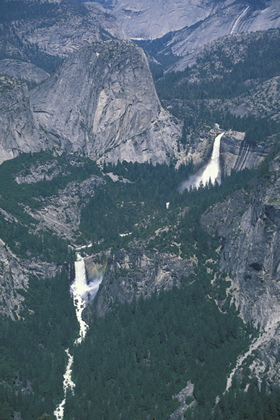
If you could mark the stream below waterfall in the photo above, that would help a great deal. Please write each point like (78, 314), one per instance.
(210, 172)
(82, 293)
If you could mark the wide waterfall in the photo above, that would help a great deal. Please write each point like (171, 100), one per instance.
(211, 172)
(82, 293)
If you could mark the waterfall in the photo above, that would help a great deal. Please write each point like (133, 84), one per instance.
(211, 172)
(234, 26)
(82, 293)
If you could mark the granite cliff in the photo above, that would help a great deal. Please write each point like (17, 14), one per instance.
(186, 27)
(249, 233)
(102, 103)
(138, 273)
(214, 19)
(77, 96)
(19, 132)
(44, 32)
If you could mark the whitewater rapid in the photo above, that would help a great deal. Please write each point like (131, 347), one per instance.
(68, 385)
(211, 172)
(82, 293)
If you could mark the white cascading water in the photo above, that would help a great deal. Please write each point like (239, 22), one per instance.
(211, 172)
(68, 385)
(82, 294)
(238, 20)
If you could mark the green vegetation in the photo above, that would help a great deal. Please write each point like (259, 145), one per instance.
(136, 358)
(216, 74)
(32, 353)
(253, 404)
(139, 207)
(256, 130)
(18, 229)
(122, 206)
(7, 84)
(202, 93)
(21, 12)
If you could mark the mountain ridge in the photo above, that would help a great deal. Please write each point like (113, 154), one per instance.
(93, 165)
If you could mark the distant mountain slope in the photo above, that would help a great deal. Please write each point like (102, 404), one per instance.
(235, 75)
(22, 70)
(44, 32)
(152, 19)
(230, 18)
(100, 101)
(192, 23)
(179, 30)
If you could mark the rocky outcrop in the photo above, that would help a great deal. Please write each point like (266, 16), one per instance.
(202, 20)
(248, 226)
(193, 24)
(18, 131)
(227, 18)
(198, 148)
(102, 103)
(150, 20)
(182, 396)
(134, 273)
(61, 213)
(260, 102)
(236, 154)
(14, 276)
(37, 31)
(250, 252)
(23, 71)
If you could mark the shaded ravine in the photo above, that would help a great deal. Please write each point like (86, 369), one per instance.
(211, 172)
(82, 294)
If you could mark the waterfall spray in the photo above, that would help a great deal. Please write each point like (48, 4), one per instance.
(211, 172)
(82, 293)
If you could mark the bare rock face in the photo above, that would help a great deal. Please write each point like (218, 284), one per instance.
(24, 71)
(14, 276)
(102, 102)
(135, 273)
(151, 20)
(194, 23)
(38, 29)
(260, 102)
(62, 213)
(236, 154)
(226, 19)
(250, 253)
(18, 130)
(248, 224)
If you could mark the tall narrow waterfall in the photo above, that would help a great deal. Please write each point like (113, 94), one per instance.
(82, 294)
(211, 172)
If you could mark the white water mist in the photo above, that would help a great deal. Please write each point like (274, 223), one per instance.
(211, 172)
(82, 293)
